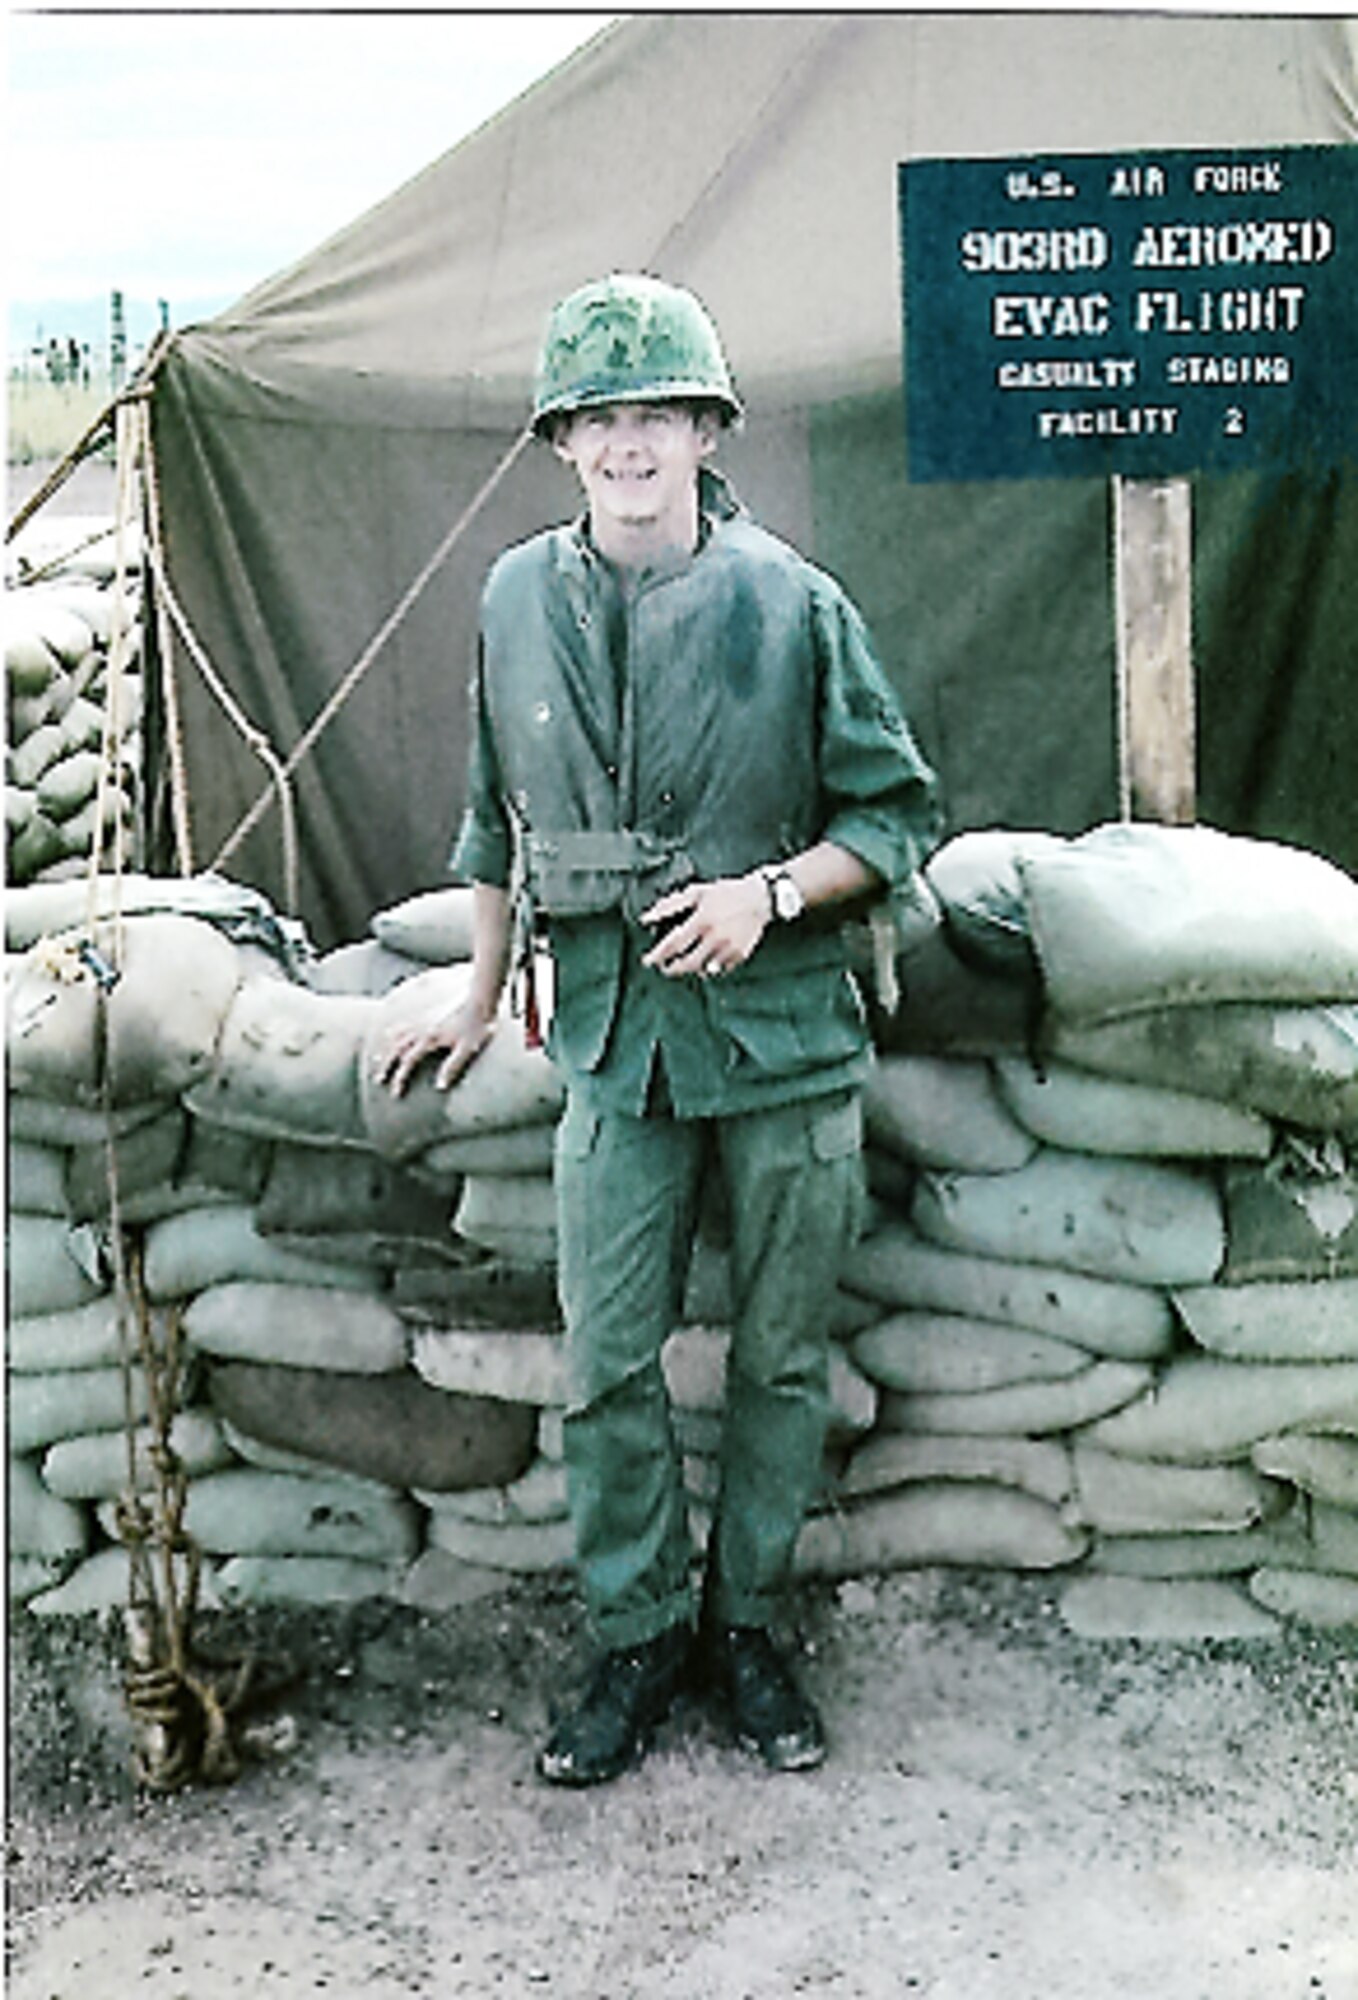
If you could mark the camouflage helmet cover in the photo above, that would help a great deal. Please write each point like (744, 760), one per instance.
(629, 338)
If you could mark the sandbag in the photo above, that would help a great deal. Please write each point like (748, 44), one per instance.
(943, 1113)
(287, 1065)
(365, 969)
(47, 909)
(538, 1494)
(69, 784)
(1131, 1607)
(1027, 1409)
(1081, 1113)
(394, 1428)
(218, 1246)
(512, 1367)
(35, 1179)
(1130, 1496)
(142, 1159)
(262, 1579)
(249, 1451)
(943, 1521)
(1334, 1537)
(51, 1266)
(95, 1467)
(1129, 1220)
(89, 825)
(145, 1040)
(299, 1326)
(479, 1290)
(81, 1337)
(1040, 1466)
(1203, 1409)
(507, 1085)
(67, 634)
(47, 1123)
(1210, 1552)
(101, 1583)
(513, 1216)
(1291, 1219)
(166, 1166)
(1313, 1596)
(943, 1353)
(948, 1008)
(1136, 915)
(30, 662)
(435, 926)
(520, 1547)
(1282, 1320)
(526, 1149)
(975, 876)
(39, 1522)
(67, 1403)
(246, 1512)
(30, 1576)
(897, 1267)
(351, 1205)
(36, 848)
(28, 760)
(436, 1581)
(1325, 1467)
(1296, 1064)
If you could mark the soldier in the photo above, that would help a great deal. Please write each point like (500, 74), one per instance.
(685, 756)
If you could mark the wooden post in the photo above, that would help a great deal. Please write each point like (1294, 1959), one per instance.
(1153, 580)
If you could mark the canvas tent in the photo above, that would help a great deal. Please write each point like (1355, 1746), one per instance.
(316, 443)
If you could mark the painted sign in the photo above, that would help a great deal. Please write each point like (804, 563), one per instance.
(1149, 313)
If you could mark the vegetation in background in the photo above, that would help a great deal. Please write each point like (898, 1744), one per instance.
(45, 418)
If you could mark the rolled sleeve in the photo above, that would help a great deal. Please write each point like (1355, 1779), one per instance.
(881, 793)
(484, 848)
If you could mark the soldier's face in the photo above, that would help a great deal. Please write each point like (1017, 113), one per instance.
(637, 462)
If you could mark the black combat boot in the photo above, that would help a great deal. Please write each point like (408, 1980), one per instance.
(768, 1710)
(610, 1729)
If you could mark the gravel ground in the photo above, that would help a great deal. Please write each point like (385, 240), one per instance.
(1008, 1813)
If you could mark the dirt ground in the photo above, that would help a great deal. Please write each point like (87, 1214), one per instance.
(1008, 1813)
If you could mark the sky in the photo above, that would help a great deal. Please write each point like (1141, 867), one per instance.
(186, 156)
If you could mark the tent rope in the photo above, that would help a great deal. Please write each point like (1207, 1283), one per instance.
(93, 435)
(111, 742)
(345, 688)
(250, 733)
(180, 818)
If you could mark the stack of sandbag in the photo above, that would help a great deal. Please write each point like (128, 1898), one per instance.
(215, 1103)
(1102, 1319)
(63, 745)
(1165, 1018)
(92, 1076)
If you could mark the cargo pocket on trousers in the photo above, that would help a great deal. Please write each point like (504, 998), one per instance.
(837, 1128)
(837, 1137)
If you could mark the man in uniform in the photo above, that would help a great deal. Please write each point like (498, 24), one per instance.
(684, 756)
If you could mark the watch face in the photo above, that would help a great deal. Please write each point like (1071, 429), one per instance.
(787, 898)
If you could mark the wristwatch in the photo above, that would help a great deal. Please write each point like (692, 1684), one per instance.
(786, 898)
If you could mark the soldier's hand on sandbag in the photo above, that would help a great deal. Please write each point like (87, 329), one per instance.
(458, 1033)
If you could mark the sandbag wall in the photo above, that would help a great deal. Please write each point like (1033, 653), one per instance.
(1103, 1319)
(1116, 1235)
(60, 603)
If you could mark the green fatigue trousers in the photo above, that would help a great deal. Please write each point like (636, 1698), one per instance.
(628, 1193)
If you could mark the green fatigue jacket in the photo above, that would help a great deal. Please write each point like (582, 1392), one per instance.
(722, 711)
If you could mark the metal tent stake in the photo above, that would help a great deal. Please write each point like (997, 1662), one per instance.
(1153, 589)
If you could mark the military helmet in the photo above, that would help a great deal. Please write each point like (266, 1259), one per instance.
(630, 339)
